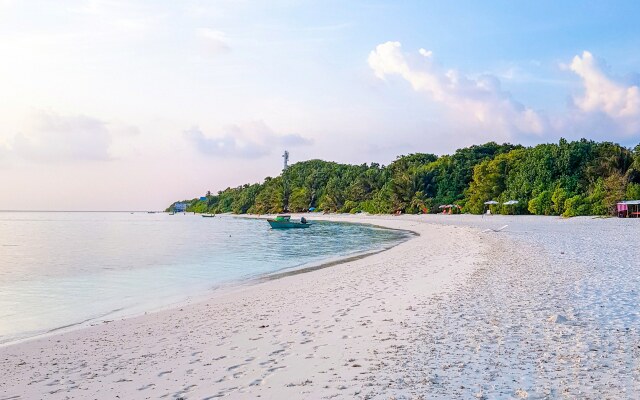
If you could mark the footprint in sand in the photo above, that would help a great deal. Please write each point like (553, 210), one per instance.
(146, 386)
(231, 368)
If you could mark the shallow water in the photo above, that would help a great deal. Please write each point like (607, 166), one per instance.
(62, 269)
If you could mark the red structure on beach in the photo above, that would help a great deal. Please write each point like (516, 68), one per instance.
(628, 209)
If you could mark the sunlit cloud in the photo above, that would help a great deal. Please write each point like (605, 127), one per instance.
(50, 137)
(251, 140)
(479, 102)
(606, 106)
(605, 95)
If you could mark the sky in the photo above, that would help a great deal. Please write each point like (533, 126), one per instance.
(131, 105)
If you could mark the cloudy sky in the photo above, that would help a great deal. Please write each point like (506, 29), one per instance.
(123, 104)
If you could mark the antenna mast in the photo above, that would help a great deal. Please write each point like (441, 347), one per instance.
(286, 160)
(285, 192)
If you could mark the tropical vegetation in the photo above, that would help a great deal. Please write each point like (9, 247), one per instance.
(565, 178)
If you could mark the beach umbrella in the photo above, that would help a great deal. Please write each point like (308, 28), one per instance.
(510, 203)
(490, 202)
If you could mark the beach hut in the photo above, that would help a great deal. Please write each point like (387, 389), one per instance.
(628, 209)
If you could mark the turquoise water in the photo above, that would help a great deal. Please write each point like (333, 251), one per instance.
(62, 269)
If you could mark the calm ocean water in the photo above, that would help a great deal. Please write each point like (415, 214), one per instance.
(62, 269)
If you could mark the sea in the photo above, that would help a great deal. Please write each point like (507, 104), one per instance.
(63, 270)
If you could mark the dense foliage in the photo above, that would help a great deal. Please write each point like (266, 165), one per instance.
(567, 178)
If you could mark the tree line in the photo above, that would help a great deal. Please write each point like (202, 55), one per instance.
(565, 178)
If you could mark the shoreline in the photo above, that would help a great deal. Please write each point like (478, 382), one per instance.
(216, 289)
(310, 267)
(271, 294)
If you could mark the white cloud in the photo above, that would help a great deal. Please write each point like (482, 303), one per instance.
(481, 104)
(479, 107)
(49, 137)
(251, 140)
(425, 53)
(603, 94)
(213, 42)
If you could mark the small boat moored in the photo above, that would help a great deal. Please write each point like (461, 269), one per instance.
(284, 222)
(208, 215)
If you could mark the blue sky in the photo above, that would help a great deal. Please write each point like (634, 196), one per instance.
(145, 102)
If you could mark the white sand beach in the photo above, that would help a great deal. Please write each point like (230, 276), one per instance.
(450, 313)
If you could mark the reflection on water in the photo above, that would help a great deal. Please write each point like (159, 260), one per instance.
(59, 269)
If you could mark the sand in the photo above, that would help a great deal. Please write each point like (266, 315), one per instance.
(451, 313)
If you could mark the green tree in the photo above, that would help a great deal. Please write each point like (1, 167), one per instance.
(300, 199)
(558, 199)
(633, 191)
(542, 204)
(569, 178)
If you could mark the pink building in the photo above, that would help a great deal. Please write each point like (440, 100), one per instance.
(628, 209)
